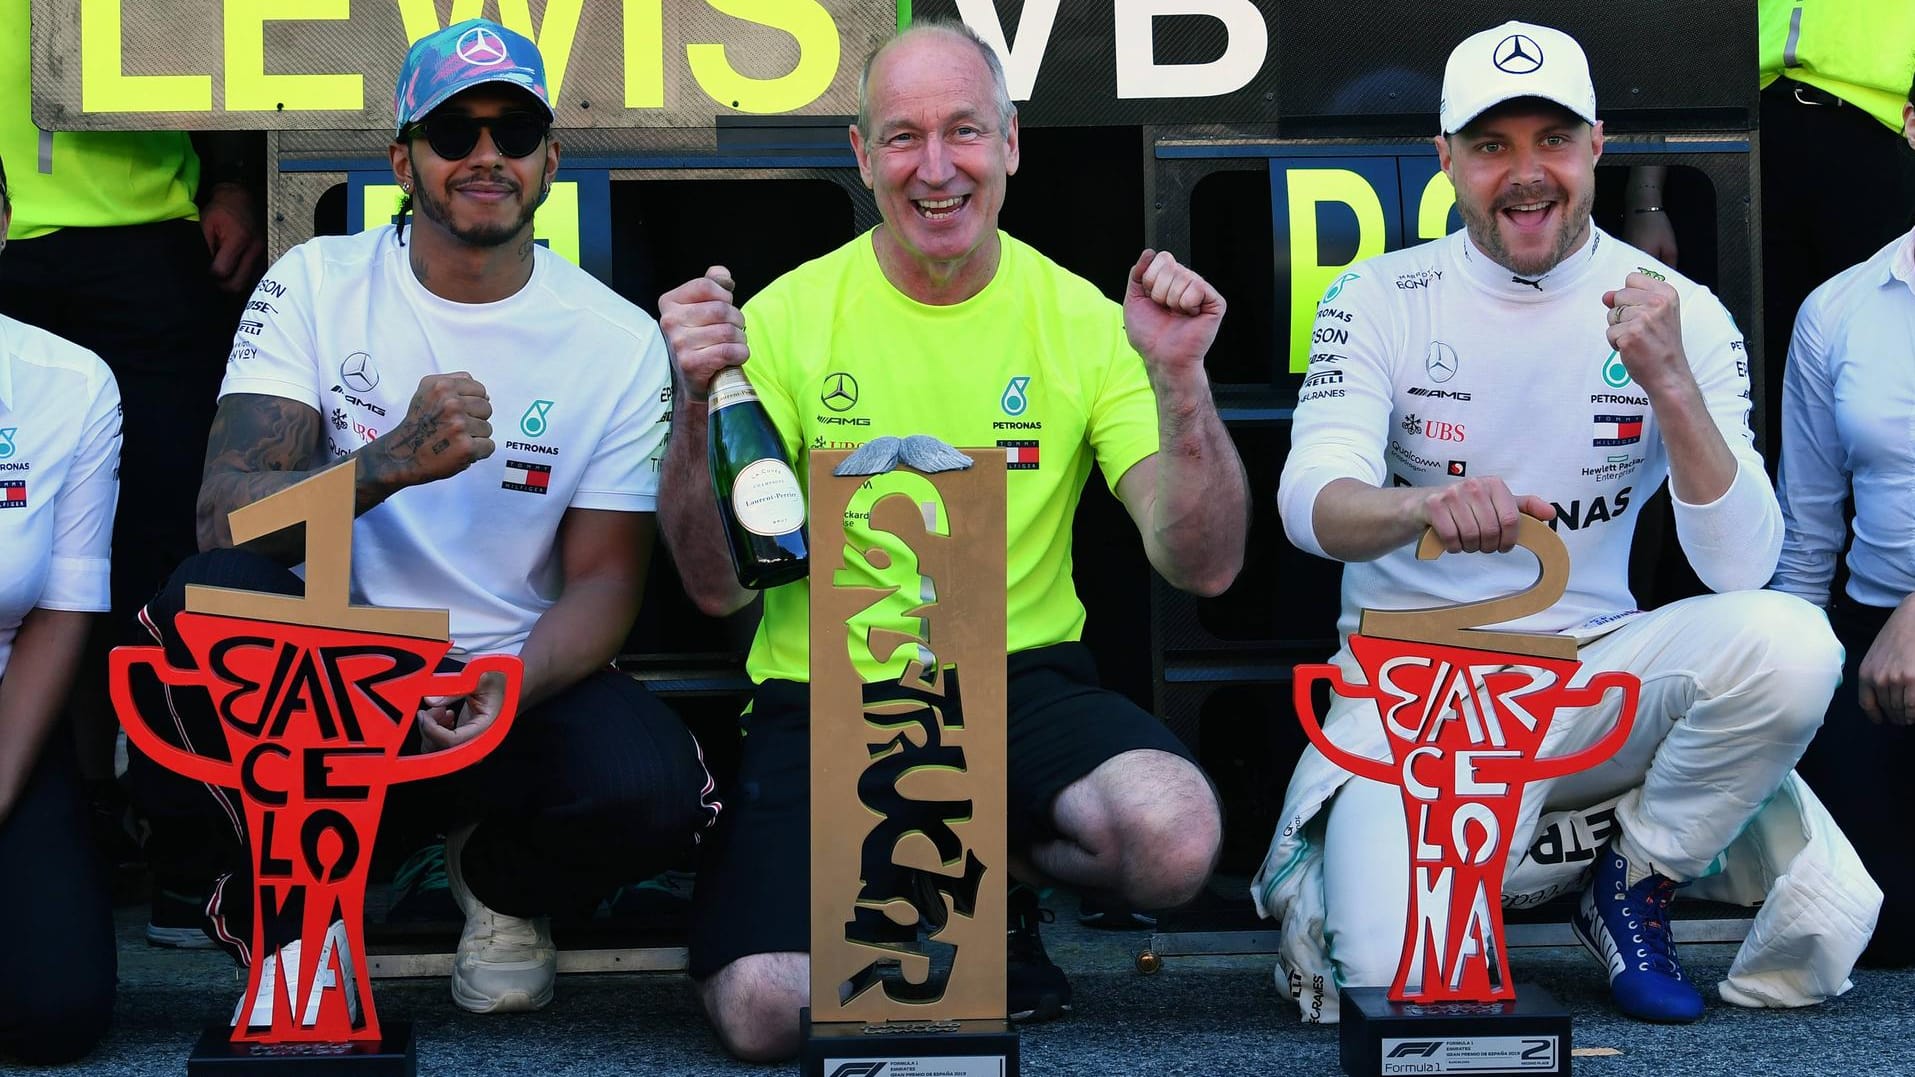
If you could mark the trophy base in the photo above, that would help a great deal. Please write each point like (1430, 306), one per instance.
(394, 1055)
(907, 1048)
(1529, 1035)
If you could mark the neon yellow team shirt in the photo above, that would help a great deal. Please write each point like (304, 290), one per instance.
(1858, 50)
(1036, 362)
(83, 179)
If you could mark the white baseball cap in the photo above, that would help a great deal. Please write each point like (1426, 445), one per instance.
(1516, 59)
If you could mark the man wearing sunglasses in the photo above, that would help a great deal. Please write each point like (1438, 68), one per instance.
(507, 413)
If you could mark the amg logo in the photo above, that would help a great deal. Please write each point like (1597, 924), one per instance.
(842, 420)
(1437, 394)
(1323, 377)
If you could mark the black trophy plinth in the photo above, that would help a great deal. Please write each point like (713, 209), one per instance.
(396, 1055)
(907, 1048)
(1529, 1035)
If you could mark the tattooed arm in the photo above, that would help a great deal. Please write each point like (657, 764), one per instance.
(260, 445)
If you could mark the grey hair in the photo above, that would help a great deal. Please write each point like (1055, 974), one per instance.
(1000, 89)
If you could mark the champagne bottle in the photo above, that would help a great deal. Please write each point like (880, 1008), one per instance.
(758, 496)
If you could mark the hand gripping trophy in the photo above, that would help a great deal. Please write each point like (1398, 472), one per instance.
(1466, 713)
(317, 699)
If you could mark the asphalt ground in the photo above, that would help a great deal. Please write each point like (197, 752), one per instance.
(1198, 1016)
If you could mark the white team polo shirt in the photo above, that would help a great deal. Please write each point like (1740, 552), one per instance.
(59, 477)
(580, 391)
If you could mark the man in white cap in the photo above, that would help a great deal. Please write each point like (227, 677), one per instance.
(1532, 364)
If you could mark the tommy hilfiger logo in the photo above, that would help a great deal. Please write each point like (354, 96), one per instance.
(527, 477)
(13, 493)
(1617, 430)
(1019, 455)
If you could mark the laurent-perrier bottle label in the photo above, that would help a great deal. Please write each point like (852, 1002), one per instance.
(765, 497)
(729, 386)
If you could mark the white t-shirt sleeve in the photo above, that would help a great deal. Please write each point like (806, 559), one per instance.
(622, 474)
(78, 568)
(1814, 477)
(1341, 428)
(1733, 541)
(275, 344)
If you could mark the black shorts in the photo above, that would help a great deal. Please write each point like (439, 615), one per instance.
(754, 880)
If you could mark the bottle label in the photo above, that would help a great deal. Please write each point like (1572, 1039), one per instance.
(766, 499)
(730, 386)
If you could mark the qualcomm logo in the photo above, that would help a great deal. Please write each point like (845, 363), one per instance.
(1014, 400)
(533, 422)
(6, 441)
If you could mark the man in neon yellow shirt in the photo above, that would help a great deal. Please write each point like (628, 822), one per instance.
(938, 323)
(123, 242)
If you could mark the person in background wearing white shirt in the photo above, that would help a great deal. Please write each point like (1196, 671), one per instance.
(398, 349)
(1533, 364)
(59, 480)
(1848, 405)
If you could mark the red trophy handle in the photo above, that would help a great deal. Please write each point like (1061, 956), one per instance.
(1377, 770)
(120, 663)
(1589, 695)
(461, 682)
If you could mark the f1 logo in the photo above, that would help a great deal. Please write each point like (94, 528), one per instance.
(859, 1069)
(1416, 1049)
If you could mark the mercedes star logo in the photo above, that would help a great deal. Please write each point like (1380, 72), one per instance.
(482, 47)
(840, 391)
(1517, 54)
(358, 373)
(1441, 362)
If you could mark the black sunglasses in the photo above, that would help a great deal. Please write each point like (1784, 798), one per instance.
(454, 135)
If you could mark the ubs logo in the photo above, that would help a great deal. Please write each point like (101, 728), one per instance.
(840, 392)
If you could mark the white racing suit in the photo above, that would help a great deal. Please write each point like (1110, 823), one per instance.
(1434, 364)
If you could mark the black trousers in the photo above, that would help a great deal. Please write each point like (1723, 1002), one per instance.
(58, 965)
(1836, 187)
(1860, 771)
(595, 787)
(139, 296)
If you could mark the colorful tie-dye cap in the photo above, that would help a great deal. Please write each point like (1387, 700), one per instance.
(461, 56)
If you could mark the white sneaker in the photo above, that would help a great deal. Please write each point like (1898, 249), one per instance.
(505, 964)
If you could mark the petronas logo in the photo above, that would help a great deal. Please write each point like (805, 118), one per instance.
(1014, 401)
(533, 423)
(1614, 373)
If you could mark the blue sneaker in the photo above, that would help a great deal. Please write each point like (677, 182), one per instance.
(1626, 928)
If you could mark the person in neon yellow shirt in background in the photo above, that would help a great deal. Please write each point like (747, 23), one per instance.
(937, 323)
(1833, 74)
(135, 247)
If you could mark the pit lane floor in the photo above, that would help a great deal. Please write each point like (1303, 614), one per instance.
(1208, 1016)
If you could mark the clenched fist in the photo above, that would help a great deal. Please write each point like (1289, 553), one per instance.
(704, 329)
(445, 431)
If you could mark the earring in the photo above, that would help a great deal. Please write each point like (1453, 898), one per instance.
(405, 187)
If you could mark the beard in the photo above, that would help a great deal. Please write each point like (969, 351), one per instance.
(1483, 227)
(490, 234)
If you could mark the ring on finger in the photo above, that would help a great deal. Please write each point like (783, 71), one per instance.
(1615, 314)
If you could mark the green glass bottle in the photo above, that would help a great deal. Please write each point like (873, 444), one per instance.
(758, 495)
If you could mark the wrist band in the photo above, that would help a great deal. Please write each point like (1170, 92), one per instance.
(1647, 209)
